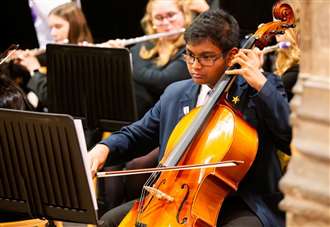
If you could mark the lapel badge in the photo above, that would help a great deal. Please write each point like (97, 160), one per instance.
(186, 110)
(235, 99)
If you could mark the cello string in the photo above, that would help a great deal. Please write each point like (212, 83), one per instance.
(153, 177)
(142, 197)
(149, 182)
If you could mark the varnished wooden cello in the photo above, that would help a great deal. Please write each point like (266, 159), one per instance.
(209, 134)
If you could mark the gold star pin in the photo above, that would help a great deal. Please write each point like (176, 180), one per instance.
(235, 100)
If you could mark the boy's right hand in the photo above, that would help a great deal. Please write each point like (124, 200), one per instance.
(97, 156)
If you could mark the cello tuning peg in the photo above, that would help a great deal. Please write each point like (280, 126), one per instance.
(276, 32)
(288, 25)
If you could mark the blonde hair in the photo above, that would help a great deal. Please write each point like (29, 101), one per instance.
(286, 58)
(146, 22)
(78, 30)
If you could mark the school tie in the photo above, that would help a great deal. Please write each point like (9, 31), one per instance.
(207, 97)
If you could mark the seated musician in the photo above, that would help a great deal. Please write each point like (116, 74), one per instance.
(211, 47)
(158, 63)
(68, 25)
(11, 96)
(287, 61)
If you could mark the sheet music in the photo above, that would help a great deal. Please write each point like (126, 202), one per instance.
(83, 149)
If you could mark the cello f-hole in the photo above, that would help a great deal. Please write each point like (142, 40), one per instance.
(184, 220)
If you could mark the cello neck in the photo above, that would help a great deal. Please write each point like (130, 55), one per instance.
(178, 151)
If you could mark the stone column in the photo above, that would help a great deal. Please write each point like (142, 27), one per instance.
(306, 184)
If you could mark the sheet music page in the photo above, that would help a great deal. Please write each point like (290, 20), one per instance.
(83, 149)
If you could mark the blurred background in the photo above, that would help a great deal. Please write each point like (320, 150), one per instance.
(111, 19)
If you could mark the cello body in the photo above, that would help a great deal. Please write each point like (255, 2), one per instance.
(198, 194)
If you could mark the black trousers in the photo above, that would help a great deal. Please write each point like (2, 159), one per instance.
(113, 217)
(234, 213)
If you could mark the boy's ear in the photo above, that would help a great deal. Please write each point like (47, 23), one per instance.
(230, 55)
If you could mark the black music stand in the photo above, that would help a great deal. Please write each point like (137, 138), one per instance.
(91, 83)
(43, 170)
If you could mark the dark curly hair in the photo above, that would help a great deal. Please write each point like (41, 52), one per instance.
(11, 96)
(218, 26)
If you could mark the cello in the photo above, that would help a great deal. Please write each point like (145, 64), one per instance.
(208, 134)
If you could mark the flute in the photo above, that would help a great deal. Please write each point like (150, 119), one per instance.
(42, 50)
(152, 36)
(16, 53)
(126, 42)
(5, 56)
(280, 45)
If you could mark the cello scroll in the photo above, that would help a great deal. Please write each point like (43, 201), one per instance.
(284, 19)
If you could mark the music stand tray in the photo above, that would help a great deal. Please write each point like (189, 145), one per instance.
(43, 167)
(91, 83)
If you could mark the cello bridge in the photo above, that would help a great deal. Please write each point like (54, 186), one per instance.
(159, 194)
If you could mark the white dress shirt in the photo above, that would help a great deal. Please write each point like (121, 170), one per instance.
(204, 95)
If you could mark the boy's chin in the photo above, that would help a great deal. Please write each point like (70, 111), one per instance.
(198, 81)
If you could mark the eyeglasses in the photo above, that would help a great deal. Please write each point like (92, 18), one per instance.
(170, 17)
(203, 60)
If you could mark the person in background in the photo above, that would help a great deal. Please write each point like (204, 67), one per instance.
(16, 73)
(287, 60)
(67, 22)
(211, 47)
(11, 96)
(286, 65)
(158, 63)
(68, 25)
(39, 11)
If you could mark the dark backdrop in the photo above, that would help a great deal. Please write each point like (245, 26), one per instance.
(109, 19)
(16, 25)
(249, 13)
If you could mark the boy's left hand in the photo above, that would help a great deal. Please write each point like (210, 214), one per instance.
(250, 62)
